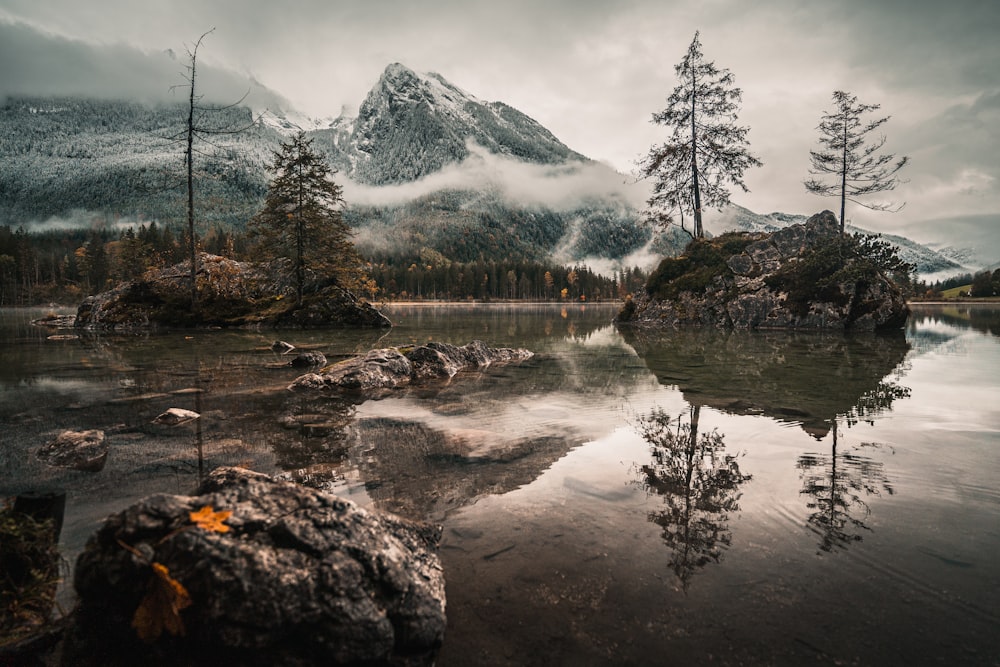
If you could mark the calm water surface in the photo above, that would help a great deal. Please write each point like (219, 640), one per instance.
(621, 498)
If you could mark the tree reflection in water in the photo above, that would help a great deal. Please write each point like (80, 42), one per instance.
(700, 485)
(839, 484)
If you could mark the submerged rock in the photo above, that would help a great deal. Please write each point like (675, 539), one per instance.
(387, 368)
(79, 450)
(796, 278)
(294, 576)
(308, 359)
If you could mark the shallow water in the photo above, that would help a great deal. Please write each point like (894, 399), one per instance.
(621, 498)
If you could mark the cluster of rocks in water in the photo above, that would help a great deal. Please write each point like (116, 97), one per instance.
(297, 576)
(387, 368)
(741, 296)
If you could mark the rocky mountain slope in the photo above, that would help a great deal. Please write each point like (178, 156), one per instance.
(411, 125)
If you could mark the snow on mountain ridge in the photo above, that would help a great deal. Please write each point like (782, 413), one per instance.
(411, 125)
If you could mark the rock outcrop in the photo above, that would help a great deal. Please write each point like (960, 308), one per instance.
(391, 367)
(230, 294)
(806, 276)
(293, 576)
(79, 450)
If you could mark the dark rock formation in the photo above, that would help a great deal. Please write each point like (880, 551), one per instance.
(230, 293)
(795, 278)
(79, 450)
(390, 367)
(301, 577)
(308, 359)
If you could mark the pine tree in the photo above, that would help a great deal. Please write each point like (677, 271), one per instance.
(301, 220)
(858, 168)
(706, 150)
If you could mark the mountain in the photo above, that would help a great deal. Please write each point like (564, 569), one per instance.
(737, 218)
(411, 125)
(69, 161)
(428, 170)
(425, 165)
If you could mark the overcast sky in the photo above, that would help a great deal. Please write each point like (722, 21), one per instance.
(590, 71)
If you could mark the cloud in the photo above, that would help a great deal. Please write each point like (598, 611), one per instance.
(34, 63)
(561, 187)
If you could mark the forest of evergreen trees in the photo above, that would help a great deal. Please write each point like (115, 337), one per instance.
(68, 265)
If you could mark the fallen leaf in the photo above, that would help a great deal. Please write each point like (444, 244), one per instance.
(160, 609)
(208, 519)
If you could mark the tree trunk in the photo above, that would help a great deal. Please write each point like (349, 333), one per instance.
(843, 180)
(300, 234)
(192, 245)
(699, 232)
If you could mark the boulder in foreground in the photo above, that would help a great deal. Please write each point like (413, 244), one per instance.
(806, 276)
(271, 573)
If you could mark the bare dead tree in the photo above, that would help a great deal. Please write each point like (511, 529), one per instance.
(198, 129)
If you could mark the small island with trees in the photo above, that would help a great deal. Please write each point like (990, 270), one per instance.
(810, 275)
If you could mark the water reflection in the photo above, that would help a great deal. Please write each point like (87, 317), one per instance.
(984, 318)
(700, 486)
(839, 484)
(803, 378)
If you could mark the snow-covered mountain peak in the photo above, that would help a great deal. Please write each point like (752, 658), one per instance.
(411, 125)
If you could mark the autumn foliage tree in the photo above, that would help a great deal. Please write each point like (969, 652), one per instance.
(857, 169)
(301, 220)
(706, 150)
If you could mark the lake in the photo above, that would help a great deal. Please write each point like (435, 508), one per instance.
(622, 498)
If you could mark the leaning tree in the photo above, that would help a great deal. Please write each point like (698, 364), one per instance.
(301, 220)
(857, 168)
(706, 150)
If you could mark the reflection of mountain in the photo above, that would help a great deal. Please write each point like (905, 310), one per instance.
(700, 486)
(422, 472)
(838, 484)
(807, 379)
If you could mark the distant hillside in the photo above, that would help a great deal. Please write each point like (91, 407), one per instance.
(482, 179)
(74, 159)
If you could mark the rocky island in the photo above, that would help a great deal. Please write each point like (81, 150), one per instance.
(806, 276)
(230, 294)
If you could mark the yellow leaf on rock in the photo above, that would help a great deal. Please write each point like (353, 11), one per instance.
(160, 609)
(208, 519)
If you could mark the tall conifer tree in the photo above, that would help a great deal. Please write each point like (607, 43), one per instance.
(301, 220)
(858, 169)
(706, 150)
